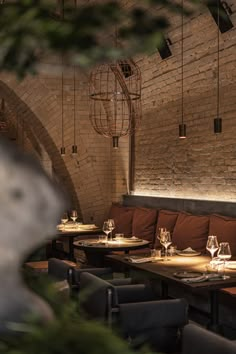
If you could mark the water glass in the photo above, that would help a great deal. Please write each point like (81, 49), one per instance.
(102, 239)
(119, 238)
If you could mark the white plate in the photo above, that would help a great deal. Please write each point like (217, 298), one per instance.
(131, 239)
(188, 254)
(231, 265)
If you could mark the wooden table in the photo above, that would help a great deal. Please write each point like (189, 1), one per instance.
(71, 234)
(164, 270)
(96, 251)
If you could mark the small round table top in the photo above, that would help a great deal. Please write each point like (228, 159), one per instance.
(95, 245)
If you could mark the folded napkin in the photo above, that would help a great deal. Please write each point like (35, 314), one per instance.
(189, 250)
(204, 277)
(140, 260)
(195, 280)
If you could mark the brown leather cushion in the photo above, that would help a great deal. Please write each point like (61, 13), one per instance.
(225, 230)
(166, 219)
(191, 231)
(123, 217)
(144, 223)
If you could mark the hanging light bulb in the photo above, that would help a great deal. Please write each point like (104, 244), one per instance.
(182, 126)
(218, 120)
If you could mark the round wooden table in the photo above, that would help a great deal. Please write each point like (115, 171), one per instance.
(96, 251)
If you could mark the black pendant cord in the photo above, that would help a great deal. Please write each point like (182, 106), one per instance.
(74, 110)
(62, 93)
(218, 60)
(62, 105)
(182, 62)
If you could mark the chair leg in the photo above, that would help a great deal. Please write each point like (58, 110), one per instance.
(109, 307)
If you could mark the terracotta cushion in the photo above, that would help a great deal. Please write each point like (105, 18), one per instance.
(191, 231)
(123, 217)
(225, 229)
(166, 219)
(144, 223)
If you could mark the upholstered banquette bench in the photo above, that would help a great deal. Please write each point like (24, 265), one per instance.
(190, 222)
(187, 229)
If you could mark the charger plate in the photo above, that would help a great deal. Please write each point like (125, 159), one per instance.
(188, 253)
(131, 239)
(187, 275)
(230, 265)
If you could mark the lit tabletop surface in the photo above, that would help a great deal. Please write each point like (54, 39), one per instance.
(164, 271)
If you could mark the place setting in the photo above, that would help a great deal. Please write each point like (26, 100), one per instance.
(70, 223)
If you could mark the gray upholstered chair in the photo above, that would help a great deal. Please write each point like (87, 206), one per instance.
(156, 323)
(198, 340)
(100, 299)
(60, 270)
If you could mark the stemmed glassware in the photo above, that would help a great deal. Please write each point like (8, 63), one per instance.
(165, 240)
(106, 228)
(64, 219)
(224, 254)
(111, 224)
(74, 215)
(212, 245)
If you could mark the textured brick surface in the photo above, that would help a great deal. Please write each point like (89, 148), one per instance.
(202, 166)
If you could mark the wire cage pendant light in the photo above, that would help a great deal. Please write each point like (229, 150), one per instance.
(182, 126)
(218, 120)
(115, 99)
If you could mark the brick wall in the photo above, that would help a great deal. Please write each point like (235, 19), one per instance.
(203, 165)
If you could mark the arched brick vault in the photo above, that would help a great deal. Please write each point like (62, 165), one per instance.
(86, 178)
(33, 123)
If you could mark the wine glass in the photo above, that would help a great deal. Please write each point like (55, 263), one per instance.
(111, 224)
(224, 253)
(106, 228)
(74, 215)
(212, 245)
(165, 240)
(64, 219)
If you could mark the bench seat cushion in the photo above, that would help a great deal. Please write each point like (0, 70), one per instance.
(166, 219)
(144, 223)
(225, 229)
(191, 231)
(123, 218)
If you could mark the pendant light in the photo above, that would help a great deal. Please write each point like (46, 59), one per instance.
(115, 98)
(74, 146)
(63, 149)
(182, 126)
(218, 120)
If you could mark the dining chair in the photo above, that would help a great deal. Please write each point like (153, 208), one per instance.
(156, 323)
(197, 340)
(134, 310)
(60, 270)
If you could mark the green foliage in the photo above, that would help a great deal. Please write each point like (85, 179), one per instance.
(68, 333)
(28, 28)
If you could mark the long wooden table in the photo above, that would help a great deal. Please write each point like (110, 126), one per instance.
(164, 271)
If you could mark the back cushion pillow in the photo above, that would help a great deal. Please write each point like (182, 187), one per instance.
(166, 219)
(123, 217)
(144, 223)
(225, 230)
(191, 231)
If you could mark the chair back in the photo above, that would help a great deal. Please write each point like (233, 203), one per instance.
(198, 340)
(97, 297)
